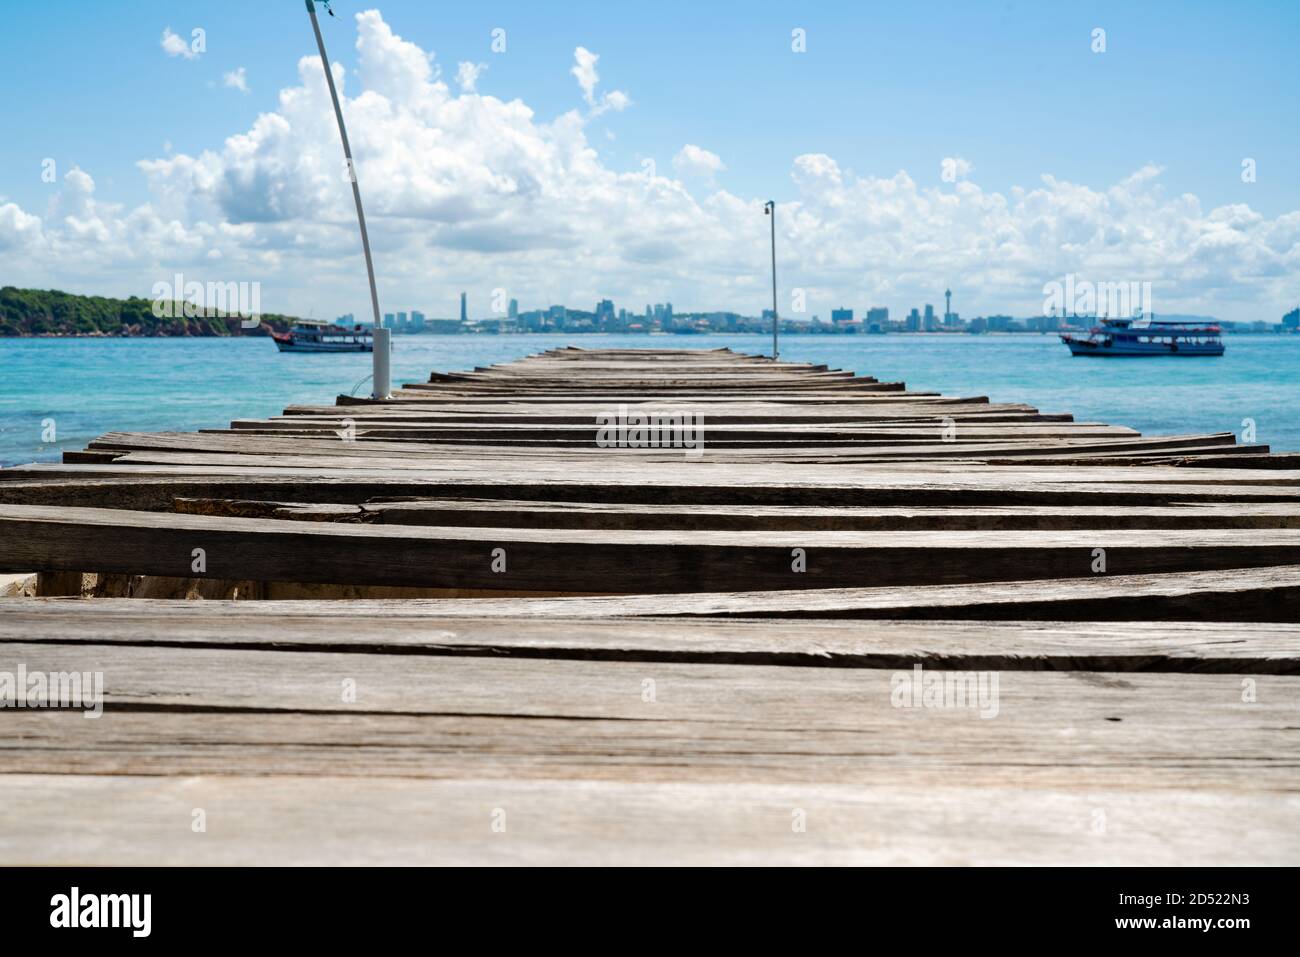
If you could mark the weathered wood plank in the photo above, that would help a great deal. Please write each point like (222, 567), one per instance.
(414, 627)
(633, 469)
(1239, 595)
(503, 513)
(604, 561)
(330, 821)
(156, 488)
(143, 447)
(271, 712)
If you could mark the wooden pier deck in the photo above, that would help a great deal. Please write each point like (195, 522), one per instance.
(482, 622)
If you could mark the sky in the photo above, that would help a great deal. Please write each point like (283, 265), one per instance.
(568, 152)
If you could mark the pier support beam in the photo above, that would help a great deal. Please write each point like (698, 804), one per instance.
(58, 584)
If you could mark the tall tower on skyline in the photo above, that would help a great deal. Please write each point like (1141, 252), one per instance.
(947, 309)
(464, 315)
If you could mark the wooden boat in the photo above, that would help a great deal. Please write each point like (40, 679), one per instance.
(308, 336)
(1129, 337)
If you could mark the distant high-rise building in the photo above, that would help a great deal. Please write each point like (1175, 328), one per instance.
(914, 321)
(930, 322)
(417, 321)
(878, 315)
(390, 321)
(464, 308)
(947, 307)
(345, 320)
(841, 315)
(513, 312)
(604, 311)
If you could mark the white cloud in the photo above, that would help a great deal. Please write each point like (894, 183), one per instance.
(584, 68)
(236, 79)
(76, 198)
(467, 75)
(401, 72)
(476, 192)
(615, 100)
(817, 173)
(174, 45)
(691, 160)
(17, 228)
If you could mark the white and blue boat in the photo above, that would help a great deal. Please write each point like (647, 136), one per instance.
(1133, 337)
(307, 335)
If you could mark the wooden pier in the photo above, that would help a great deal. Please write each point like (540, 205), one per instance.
(657, 606)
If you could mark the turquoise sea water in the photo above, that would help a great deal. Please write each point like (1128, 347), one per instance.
(91, 386)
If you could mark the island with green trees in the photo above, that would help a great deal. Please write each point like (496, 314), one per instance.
(49, 312)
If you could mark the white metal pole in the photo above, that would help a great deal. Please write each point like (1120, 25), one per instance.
(382, 388)
(383, 384)
(770, 209)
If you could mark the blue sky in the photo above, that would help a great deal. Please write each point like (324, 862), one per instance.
(1013, 89)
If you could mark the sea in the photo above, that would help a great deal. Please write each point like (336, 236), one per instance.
(58, 394)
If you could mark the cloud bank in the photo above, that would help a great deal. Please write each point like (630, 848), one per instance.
(465, 190)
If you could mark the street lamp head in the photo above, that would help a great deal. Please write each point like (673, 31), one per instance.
(768, 207)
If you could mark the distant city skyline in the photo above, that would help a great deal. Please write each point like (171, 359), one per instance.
(541, 152)
(607, 317)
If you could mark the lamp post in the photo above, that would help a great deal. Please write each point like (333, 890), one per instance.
(769, 209)
(380, 381)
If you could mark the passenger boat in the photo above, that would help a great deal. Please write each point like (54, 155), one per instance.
(308, 336)
(1133, 337)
